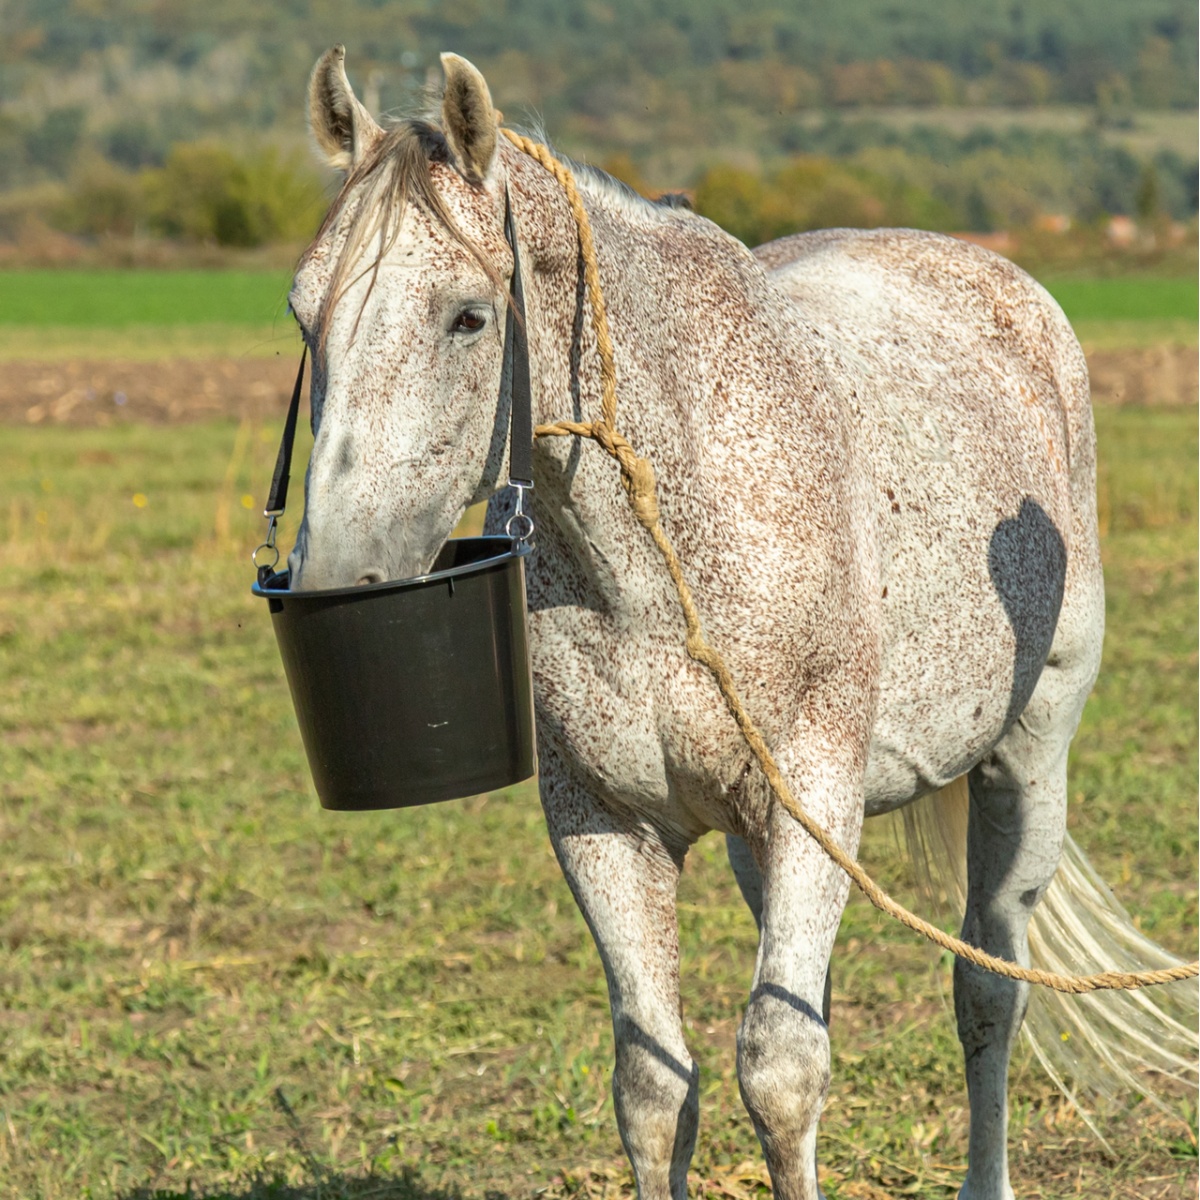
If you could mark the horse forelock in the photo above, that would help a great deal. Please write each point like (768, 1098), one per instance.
(397, 173)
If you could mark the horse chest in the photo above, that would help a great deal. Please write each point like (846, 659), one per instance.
(635, 718)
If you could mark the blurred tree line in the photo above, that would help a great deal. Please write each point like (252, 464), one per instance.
(186, 120)
(852, 53)
(866, 174)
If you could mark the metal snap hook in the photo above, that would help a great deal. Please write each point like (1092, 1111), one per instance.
(519, 527)
(269, 544)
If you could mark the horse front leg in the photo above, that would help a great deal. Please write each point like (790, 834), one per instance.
(624, 877)
(749, 881)
(783, 1044)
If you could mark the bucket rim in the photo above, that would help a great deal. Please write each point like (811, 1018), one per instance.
(512, 549)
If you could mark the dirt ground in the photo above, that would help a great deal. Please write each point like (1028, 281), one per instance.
(82, 392)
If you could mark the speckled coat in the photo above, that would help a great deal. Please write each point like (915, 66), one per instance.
(876, 462)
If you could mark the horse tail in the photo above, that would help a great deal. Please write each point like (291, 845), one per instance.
(1100, 1044)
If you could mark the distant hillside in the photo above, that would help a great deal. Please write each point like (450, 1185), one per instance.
(140, 74)
(95, 94)
(1078, 44)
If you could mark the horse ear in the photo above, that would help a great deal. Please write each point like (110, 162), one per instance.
(468, 118)
(343, 130)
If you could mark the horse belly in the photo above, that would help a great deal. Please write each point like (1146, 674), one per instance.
(973, 555)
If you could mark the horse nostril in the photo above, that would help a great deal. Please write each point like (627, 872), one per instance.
(369, 577)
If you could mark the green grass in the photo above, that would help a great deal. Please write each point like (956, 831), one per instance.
(147, 315)
(143, 315)
(1102, 334)
(211, 987)
(1126, 299)
(119, 299)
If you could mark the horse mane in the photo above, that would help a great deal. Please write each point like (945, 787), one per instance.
(396, 173)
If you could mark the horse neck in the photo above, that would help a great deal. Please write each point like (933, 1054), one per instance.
(665, 328)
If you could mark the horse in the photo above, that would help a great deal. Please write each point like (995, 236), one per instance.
(876, 461)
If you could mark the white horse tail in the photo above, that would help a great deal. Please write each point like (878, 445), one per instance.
(1100, 1044)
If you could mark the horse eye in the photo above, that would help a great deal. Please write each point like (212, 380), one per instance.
(468, 321)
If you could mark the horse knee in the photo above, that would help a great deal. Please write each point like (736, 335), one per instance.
(656, 1096)
(783, 1073)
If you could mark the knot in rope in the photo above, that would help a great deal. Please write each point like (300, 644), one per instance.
(637, 474)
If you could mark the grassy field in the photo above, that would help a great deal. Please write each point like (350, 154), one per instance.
(146, 314)
(173, 299)
(119, 299)
(1119, 313)
(210, 987)
(1126, 299)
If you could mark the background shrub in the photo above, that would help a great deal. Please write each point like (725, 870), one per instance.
(204, 192)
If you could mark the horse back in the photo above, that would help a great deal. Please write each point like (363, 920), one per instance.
(922, 309)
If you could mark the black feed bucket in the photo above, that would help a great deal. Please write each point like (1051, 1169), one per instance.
(417, 690)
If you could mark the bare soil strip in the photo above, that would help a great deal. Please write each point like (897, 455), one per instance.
(99, 392)
(1149, 376)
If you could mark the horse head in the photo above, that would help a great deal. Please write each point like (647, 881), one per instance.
(401, 300)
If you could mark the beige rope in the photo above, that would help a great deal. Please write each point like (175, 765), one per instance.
(591, 271)
(637, 475)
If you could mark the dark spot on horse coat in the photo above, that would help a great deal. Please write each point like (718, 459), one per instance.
(1027, 561)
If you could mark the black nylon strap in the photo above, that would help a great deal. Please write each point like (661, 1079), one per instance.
(514, 375)
(277, 498)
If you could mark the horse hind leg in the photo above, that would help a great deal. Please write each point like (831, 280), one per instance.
(1015, 831)
(624, 877)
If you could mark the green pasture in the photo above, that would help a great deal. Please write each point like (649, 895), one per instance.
(1130, 311)
(1126, 299)
(140, 314)
(210, 987)
(120, 299)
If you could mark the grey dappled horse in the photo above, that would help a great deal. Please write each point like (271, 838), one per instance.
(876, 461)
